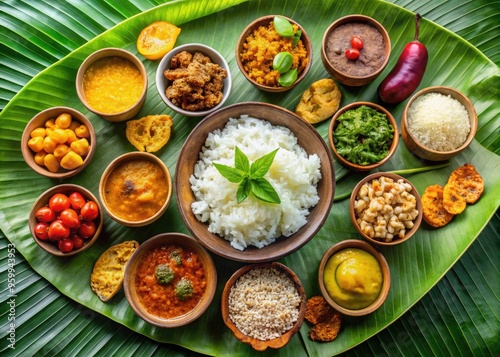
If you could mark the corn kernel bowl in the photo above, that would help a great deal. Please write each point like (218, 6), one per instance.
(86, 151)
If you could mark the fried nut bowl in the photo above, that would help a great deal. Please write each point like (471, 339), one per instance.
(352, 261)
(44, 149)
(415, 133)
(143, 277)
(268, 83)
(373, 56)
(183, 66)
(359, 139)
(135, 189)
(270, 115)
(112, 83)
(87, 230)
(237, 316)
(376, 213)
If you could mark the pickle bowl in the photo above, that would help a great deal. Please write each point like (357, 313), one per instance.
(353, 273)
(38, 160)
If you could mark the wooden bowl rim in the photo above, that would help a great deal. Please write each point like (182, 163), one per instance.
(265, 20)
(392, 148)
(384, 292)
(43, 200)
(278, 342)
(210, 272)
(135, 155)
(416, 224)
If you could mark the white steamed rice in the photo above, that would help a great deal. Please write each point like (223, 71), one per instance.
(294, 175)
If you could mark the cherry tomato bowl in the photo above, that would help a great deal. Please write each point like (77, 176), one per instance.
(66, 219)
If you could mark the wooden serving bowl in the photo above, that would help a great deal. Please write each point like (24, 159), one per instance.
(351, 165)
(131, 156)
(264, 21)
(113, 52)
(257, 344)
(416, 222)
(166, 239)
(307, 137)
(429, 154)
(38, 121)
(342, 76)
(359, 244)
(43, 200)
(162, 83)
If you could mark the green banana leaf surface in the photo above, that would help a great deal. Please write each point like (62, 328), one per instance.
(57, 47)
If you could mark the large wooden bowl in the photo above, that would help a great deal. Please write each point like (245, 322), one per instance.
(257, 344)
(307, 137)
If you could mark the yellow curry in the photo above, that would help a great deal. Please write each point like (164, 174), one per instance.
(353, 278)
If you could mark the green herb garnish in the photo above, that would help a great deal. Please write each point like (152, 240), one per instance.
(288, 78)
(363, 135)
(282, 62)
(250, 177)
(282, 26)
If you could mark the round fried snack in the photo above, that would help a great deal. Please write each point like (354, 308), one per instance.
(326, 320)
(149, 133)
(453, 200)
(109, 269)
(316, 308)
(434, 212)
(320, 101)
(470, 182)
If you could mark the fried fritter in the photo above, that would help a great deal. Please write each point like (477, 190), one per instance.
(149, 133)
(320, 101)
(326, 320)
(316, 308)
(465, 185)
(434, 212)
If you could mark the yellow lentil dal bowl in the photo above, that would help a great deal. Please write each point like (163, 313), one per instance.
(112, 83)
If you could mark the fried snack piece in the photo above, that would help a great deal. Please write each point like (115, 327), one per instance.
(149, 133)
(326, 320)
(109, 269)
(434, 212)
(465, 185)
(320, 101)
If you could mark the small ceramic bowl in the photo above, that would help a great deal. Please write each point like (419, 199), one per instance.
(337, 39)
(259, 344)
(307, 137)
(165, 240)
(386, 276)
(43, 200)
(418, 206)
(265, 21)
(129, 195)
(39, 121)
(111, 115)
(162, 83)
(351, 165)
(427, 153)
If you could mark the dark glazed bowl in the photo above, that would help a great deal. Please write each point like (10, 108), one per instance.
(307, 137)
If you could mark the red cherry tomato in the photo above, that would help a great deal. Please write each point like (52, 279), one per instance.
(59, 202)
(352, 54)
(357, 43)
(89, 211)
(76, 200)
(41, 231)
(65, 245)
(45, 214)
(70, 218)
(87, 229)
(77, 241)
(57, 230)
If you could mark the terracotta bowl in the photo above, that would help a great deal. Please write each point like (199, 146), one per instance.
(162, 83)
(354, 166)
(424, 152)
(258, 344)
(337, 46)
(103, 194)
(39, 121)
(164, 240)
(113, 52)
(409, 232)
(43, 200)
(307, 137)
(264, 21)
(386, 276)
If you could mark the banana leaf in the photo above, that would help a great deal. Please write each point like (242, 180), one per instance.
(84, 325)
